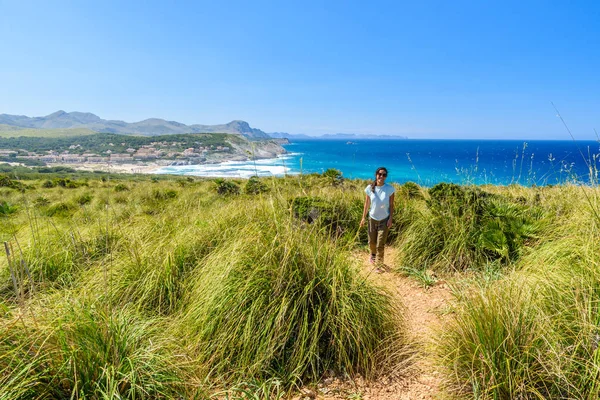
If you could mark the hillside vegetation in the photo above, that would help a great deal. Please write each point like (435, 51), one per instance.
(8, 131)
(138, 287)
(65, 121)
(101, 142)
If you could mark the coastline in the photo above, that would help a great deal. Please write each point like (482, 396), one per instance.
(113, 168)
(238, 167)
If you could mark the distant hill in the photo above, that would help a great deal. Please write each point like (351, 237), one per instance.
(8, 131)
(147, 127)
(284, 135)
(334, 136)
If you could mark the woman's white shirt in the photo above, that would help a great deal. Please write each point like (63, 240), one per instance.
(380, 201)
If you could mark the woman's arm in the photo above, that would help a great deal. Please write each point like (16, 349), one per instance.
(365, 209)
(389, 223)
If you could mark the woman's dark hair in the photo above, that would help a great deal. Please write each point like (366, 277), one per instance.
(375, 181)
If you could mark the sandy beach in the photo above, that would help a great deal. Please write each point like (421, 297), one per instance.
(115, 168)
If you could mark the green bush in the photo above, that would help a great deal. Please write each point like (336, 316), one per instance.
(7, 209)
(225, 187)
(312, 209)
(411, 190)
(466, 227)
(5, 181)
(67, 183)
(166, 194)
(120, 187)
(333, 176)
(41, 201)
(154, 278)
(255, 186)
(84, 199)
(339, 219)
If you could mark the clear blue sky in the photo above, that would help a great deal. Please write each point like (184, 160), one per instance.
(424, 69)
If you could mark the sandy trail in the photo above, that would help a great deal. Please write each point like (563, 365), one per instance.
(425, 310)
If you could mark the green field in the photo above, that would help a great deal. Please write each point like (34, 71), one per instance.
(8, 131)
(9, 128)
(139, 287)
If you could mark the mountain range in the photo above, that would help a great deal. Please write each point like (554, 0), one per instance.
(335, 136)
(148, 127)
(66, 121)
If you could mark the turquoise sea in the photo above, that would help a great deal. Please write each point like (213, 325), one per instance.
(498, 162)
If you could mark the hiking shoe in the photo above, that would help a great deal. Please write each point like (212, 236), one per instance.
(372, 259)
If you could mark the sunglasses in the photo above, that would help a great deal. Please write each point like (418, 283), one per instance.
(382, 174)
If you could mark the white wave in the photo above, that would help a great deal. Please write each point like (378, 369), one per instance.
(233, 169)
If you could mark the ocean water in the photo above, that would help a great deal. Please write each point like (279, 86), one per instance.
(427, 162)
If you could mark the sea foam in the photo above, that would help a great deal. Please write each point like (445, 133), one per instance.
(234, 169)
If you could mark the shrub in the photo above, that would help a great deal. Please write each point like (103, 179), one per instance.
(412, 190)
(467, 228)
(68, 183)
(5, 181)
(225, 187)
(48, 184)
(312, 209)
(166, 194)
(120, 187)
(7, 209)
(337, 218)
(121, 200)
(255, 186)
(41, 201)
(59, 169)
(84, 199)
(333, 176)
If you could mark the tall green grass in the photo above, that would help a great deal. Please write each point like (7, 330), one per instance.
(281, 300)
(169, 289)
(86, 351)
(535, 333)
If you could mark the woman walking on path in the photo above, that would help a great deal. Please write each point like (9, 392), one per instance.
(379, 200)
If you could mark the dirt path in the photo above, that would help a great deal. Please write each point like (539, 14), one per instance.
(424, 310)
